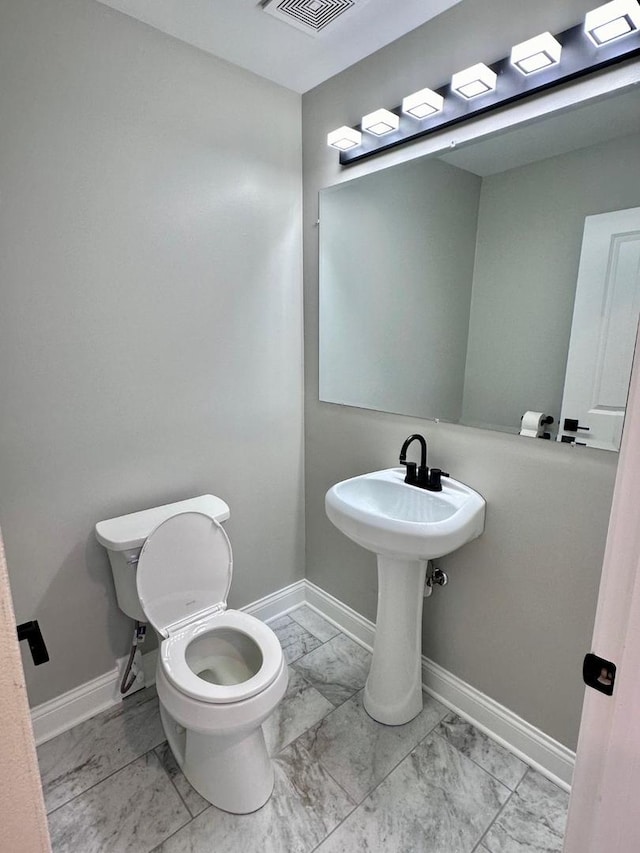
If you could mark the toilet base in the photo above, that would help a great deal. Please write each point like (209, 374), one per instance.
(233, 772)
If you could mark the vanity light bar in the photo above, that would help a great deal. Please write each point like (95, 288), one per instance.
(474, 81)
(536, 53)
(614, 30)
(611, 21)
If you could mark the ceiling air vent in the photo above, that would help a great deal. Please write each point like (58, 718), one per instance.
(310, 16)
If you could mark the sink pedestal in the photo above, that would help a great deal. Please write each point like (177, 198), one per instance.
(393, 692)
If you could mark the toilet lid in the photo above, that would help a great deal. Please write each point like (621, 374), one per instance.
(184, 571)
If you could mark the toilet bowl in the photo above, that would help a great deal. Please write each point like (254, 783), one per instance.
(220, 673)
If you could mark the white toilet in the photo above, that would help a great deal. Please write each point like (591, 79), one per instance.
(220, 672)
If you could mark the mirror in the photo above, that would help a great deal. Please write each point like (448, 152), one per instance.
(448, 283)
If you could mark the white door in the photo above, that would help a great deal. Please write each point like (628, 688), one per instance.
(603, 333)
(603, 811)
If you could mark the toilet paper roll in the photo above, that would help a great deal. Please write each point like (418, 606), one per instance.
(532, 425)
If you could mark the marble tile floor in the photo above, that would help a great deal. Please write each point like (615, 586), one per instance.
(343, 781)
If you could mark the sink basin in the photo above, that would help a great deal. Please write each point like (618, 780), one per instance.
(383, 514)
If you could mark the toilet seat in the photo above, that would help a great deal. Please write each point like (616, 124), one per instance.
(184, 571)
(179, 673)
(183, 578)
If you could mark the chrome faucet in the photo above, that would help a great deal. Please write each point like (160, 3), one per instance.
(420, 475)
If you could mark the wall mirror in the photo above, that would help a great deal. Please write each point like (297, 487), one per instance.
(495, 279)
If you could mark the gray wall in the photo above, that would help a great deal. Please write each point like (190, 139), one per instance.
(529, 240)
(517, 617)
(150, 329)
(397, 254)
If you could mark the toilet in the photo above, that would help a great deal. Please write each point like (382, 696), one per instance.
(220, 672)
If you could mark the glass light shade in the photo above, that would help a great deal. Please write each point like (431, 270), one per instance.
(611, 21)
(536, 53)
(474, 81)
(423, 103)
(344, 138)
(380, 122)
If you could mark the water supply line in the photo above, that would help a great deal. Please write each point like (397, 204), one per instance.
(130, 674)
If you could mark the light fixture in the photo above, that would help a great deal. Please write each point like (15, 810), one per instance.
(560, 59)
(476, 80)
(424, 103)
(380, 122)
(611, 21)
(344, 138)
(536, 53)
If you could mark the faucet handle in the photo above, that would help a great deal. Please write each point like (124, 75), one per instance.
(412, 476)
(435, 484)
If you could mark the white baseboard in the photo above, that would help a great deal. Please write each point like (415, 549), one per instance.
(77, 705)
(350, 622)
(533, 746)
(85, 701)
(278, 603)
(530, 744)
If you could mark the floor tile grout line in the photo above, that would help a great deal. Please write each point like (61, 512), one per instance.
(319, 639)
(304, 654)
(488, 772)
(348, 796)
(104, 779)
(338, 631)
(308, 680)
(528, 771)
(318, 723)
(335, 707)
(308, 729)
(347, 816)
(304, 628)
(169, 837)
(324, 643)
(335, 829)
(497, 815)
(389, 772)
(173, 784)
(305, 732)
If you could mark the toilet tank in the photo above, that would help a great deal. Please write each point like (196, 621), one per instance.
(123, 537)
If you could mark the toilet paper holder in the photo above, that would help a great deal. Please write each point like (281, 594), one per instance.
(532, 425)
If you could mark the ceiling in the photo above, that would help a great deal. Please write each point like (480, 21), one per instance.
(241, 32)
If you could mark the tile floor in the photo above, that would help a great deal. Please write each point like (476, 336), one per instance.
(343, 782)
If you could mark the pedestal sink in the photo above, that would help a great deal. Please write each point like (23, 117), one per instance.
(405, 526)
